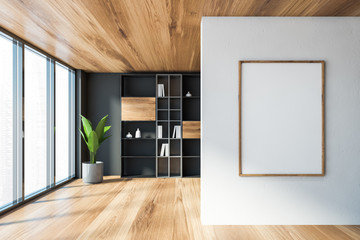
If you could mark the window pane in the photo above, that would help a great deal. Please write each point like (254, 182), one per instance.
(35, 118)
(62, 114)
(72, 121)
(6, 122)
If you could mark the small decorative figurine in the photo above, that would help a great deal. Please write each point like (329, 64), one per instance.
(137, 133)
(128, 135)
(188, 94)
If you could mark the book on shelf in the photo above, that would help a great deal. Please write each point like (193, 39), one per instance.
(162, 152)
(161, 90)
(159, 132)
(177, 132)
(165, 150)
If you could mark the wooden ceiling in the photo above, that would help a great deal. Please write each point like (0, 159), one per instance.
(139, 35)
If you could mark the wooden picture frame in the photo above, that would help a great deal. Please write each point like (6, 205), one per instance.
(247, 68)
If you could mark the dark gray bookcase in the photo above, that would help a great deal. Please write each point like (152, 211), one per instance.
(140, 157)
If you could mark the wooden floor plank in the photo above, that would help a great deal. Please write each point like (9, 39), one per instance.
(92, 209)
(116, 218)
(353, 232)
(180, 223)
(153, 220)
(139, 209)
(39, 216)
(191, 196)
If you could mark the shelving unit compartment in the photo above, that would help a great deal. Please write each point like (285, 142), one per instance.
(175, 147)
(159, 146)
(163, 168)
(135, 167)
(165, 132)
(163, 79)
(175, 103)
(138, 86)
(175, 115)
(163, 103)
(172, 127)
(138, 148)
(191, 147)
(147, 128)
(163, 115)
(191, 109)
(175, 167)
(191, 167)
(175, 85)
(191, 83)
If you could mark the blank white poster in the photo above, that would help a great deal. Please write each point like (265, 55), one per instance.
(281, 118)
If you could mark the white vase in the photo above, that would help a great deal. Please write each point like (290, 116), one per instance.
(92, 172)
(137, 133)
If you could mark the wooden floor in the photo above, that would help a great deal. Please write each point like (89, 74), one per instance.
(139, 209)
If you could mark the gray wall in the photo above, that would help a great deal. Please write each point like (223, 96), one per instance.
(103, 98)
(80, 109)
(227, 198)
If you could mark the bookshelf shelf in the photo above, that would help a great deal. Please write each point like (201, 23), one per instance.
(170, 97)
(138, 139)
(169, 109)
(140, 157)
(168, 120)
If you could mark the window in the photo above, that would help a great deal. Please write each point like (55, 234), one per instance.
(37, 122)
(7, 104)
(64, 122)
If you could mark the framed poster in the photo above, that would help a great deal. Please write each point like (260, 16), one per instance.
(281, 113)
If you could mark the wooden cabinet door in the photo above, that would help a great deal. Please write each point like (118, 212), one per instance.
(138, 109)
(191, 129)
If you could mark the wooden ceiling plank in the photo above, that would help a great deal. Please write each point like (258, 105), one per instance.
(139, 35)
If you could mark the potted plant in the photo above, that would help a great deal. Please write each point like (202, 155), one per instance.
(92, 171)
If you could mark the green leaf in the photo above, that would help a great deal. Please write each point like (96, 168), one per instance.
(82, 134)
(93, 142)
(100, 127)
(87, 126)
(103, 139)
(107, 128)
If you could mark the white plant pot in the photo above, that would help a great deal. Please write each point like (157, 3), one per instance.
(92, 173)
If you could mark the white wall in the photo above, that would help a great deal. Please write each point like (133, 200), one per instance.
(227, 198)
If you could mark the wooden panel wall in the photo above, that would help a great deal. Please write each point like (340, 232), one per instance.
(139, 35)
(191, 129)
(138, 109)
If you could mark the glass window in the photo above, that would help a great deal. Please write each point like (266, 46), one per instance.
(7, 191)
(72, 123)
(35, 121)
(64, 154)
